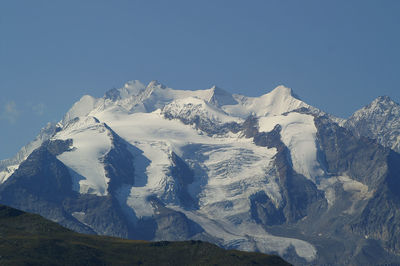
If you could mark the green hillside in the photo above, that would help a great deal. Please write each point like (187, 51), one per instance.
(28, 239)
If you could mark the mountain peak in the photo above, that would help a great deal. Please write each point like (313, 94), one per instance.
(216, 88)
(283, 92)
(380, 103)
(132, 87)
(156, 83)
(378, 120)
(384, 100)
(81, 108)
(220, 97)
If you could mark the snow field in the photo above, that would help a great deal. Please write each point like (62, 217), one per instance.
(299, 135)
(91, 142)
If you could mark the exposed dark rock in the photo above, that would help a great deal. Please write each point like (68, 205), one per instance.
(249, 127)
(113, 94)
(381, 217)
(361, 158)
(172, 225)
(205, 124)
(118, 163)
(42, 174)
(184, 177)
(373, 165)
(263, 210)
(102, 213)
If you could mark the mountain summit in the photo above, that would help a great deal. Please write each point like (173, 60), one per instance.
(269, 174)
(378, 120)
(220, 97)
(130, 88)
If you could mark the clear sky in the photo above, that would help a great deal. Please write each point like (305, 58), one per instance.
(336, 55)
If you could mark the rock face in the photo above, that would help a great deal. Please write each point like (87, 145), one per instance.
(42, 184)
(8, 166)
(268, 173)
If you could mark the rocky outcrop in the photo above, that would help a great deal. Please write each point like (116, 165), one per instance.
(380, 121)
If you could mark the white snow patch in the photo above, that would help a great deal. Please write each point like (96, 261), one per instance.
(91, 142)
(7, 172)
(299, 135)
(79, 215)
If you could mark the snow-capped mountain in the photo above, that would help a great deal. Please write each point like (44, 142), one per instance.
(378, 120)
(270, 173)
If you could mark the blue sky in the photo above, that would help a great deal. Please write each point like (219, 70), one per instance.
(336, 55)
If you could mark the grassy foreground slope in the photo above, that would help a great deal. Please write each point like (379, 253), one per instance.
(28, 239)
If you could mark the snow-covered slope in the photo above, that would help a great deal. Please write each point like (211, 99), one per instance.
(82, 108)
(278, 101)
(299, 135)
(91, 142)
